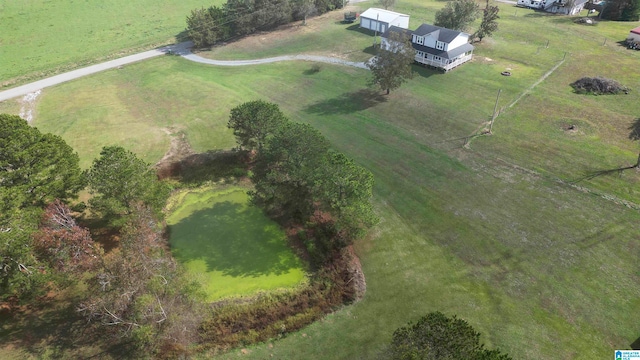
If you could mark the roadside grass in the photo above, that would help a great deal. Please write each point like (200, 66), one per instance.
(230, 246)
(493, 233)
(39, 38)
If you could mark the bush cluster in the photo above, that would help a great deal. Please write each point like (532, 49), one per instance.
(597, 86)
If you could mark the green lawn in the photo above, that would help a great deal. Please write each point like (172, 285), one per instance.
(41, 37)
(498, 234)
(229, 245)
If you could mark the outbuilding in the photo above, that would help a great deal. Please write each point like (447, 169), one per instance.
(380, 20)
(634, 35)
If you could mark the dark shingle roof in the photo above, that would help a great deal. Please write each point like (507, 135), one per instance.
(441, 34)
(398, 30)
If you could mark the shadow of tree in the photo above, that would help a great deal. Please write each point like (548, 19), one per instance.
(537, 14)
(54, 329)
(371, 50)
(425, 71)
(635, 130)
(635, 345)
(347, 103)
(182, 36)
(357, 28)
(213, 165)
(235, 239)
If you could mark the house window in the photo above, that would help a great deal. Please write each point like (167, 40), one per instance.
(420, 54)
(439, 45)
(419, 40)
(436, 58)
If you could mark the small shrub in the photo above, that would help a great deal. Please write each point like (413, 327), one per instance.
(585, 21)
(315, 68)
(597, 86)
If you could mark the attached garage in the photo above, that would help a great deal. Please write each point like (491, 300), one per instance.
(380, 20)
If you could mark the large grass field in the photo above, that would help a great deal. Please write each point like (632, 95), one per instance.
(40, 37)
(498, 233)
(231, 247)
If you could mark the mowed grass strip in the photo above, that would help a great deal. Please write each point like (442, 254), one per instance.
(39, 37)
(492, 234)
(230, 246)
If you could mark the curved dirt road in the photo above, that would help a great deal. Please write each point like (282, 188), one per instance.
(182, 49)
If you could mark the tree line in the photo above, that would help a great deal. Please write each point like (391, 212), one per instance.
(621, 10)
(299, 178)
(206, 27)
(138, 290)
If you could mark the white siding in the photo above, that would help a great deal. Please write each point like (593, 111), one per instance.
(429, 41)
(458, 41)
(374, 25)
(634, 36)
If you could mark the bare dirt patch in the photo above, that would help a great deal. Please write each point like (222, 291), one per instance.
(354, 268)
(28, 106)
(179, 148)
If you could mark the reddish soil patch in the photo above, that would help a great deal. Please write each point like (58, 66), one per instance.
(355, 270)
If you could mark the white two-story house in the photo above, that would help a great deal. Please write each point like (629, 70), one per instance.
(436, 46)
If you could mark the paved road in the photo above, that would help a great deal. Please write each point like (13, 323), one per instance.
(182, 49)
(508, 2)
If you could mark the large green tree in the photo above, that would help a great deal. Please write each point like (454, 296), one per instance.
(118, 178)
(207, 27)
(252, 122)
(392, 66)
(489, 22)
(345, 189)
(438, 337)
(21, 274)
(286, 169)
(35, 167)
(457, 14)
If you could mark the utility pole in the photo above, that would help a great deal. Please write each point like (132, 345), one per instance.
(375, 35)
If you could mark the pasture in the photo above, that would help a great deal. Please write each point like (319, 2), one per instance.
(39, 38)
(230, 246)
(500, 233)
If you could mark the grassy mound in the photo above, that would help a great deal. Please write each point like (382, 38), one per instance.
(229, 245)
